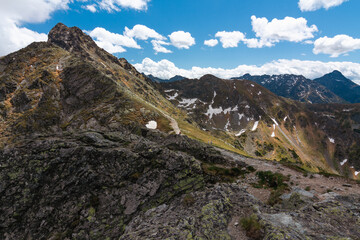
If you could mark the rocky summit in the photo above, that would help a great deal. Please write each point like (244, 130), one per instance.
(92, 149)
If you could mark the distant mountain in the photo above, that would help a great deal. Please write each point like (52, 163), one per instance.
(295, 87)
(159, 80)
(340, 85)
(265, 125)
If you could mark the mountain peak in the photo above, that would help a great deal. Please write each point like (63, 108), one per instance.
(208, 77)
(71, 39)
(336, 74)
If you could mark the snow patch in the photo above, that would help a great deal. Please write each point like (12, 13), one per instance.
(255, 126)
(242, 131)
(151, 125)
(356, 173)
(213, 111)
(247, 106)
(273, 135)
(273, 119)
(331, 140)
(285, 118)
(343, 162)
(170, 90)
(227, 110)
(227, 125)
(252, 85)
(172, 97)
(187, 102)
(259, 93)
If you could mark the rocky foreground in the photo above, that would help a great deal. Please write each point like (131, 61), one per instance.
(150, 185)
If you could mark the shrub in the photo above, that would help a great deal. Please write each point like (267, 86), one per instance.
(250, 168)
(220, 174)
(275, 195)
(252, 226)
(308, 188)
(272, 180)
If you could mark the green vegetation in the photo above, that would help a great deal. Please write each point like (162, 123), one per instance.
(221, 174)
(272, 180)
(275, 195)
(263, 148)
(252, 226)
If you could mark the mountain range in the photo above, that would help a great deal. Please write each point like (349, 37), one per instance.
(159, 80)
(92, 149)
(333, 87)
(296, 87)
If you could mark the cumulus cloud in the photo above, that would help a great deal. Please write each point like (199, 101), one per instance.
(287, 29)
(143, 33)
(182, 40)
(211, 42)
(116, 5)
(159, 48)
(230, 39)
(112, 42)
(311, 69)
(336, 46)
(15, 13)
(269, 33)
(91, 8)
(312, 5)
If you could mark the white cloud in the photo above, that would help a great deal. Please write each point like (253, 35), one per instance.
(15, 13)
(91, 8)
(287, 29)
(211, 42)
(112, 42)
(268, 33)
(311, 69)
(230, 39)
(312, 5)
(336, 46)
(182, 40)
(116, 5)
(143, 33)
(159, 48)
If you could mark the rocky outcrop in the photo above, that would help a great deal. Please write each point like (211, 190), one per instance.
(88, 185)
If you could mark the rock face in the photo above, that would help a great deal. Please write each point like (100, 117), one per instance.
(88, 185)
(340, 85)
(296, 87)
(77, 163)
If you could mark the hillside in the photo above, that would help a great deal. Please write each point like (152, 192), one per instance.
(296, 87)
(318, 137)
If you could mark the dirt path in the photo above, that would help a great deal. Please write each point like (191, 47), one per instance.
(173, 122)
(318, 184)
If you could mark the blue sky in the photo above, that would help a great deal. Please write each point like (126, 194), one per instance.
(309, 37)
